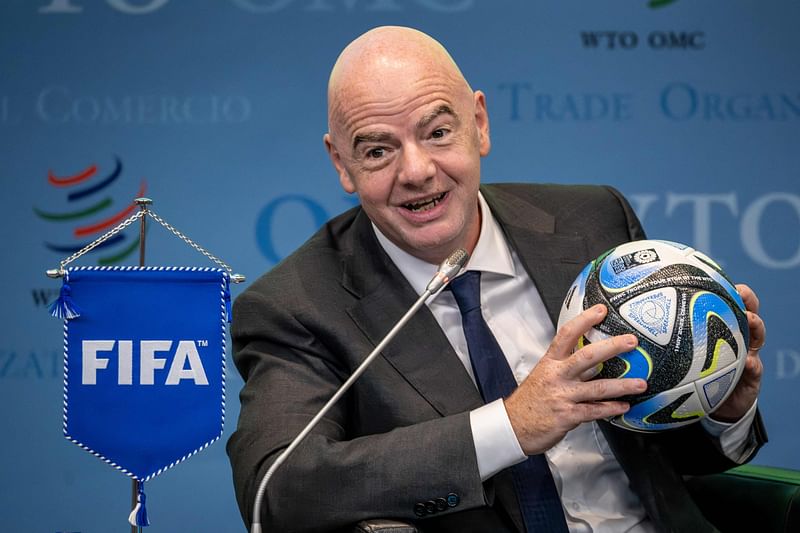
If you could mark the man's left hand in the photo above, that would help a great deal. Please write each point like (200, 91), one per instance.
(746, 391)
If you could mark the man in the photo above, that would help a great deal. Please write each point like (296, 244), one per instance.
(414, 439)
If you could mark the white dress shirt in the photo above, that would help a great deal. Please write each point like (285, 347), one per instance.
(594, 489)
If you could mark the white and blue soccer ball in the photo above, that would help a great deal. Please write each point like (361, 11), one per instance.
(688, 317)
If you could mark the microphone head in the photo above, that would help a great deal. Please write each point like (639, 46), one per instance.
(455, 261)
(448, 269)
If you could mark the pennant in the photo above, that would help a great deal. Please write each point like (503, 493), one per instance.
(144, 365)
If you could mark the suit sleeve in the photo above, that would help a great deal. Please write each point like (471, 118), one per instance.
(339, 474)
(634, 226)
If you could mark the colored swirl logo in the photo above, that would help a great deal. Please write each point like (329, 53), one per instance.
(90, 212)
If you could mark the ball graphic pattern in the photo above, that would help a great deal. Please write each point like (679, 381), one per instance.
(688, 317)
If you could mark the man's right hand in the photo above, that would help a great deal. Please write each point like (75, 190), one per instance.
(556, 397)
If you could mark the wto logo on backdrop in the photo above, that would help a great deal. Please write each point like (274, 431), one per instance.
(86, 210)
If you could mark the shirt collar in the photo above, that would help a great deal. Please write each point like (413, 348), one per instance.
(491, 253)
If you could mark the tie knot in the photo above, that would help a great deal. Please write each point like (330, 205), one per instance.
(466, 289)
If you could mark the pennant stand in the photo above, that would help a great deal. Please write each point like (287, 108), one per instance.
(94, 387)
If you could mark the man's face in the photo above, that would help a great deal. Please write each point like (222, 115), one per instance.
(409, 143)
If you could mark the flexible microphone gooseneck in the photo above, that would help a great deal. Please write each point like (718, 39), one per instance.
(449, 268)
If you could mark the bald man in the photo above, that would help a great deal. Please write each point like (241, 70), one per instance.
(417, 437)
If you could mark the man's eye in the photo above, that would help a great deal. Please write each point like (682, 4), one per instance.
(438, 134)
(376, 153)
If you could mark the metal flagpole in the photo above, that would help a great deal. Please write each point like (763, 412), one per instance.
(143, 203)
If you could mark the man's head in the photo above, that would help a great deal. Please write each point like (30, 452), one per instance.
(406, 132)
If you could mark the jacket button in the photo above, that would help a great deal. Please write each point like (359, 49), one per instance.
(430, 506)
(419, 509)
(453, 499)
(441, 504)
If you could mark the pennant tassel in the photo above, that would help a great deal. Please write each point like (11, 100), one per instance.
(64, 307)
(138, 517)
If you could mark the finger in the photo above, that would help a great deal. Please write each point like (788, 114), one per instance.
(589, 411)
(756, 370)
(591, 355)
(751, 302)
(567, 335)
(758, 331)
(589, 374)
(753, 368)
(608, 389)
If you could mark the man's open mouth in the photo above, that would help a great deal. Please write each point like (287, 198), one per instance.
(419, 207)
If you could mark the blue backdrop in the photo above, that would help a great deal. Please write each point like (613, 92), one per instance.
(216, 109)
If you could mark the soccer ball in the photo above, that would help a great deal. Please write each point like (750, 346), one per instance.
(688, 317)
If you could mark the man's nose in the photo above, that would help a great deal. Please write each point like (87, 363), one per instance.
(417, 165)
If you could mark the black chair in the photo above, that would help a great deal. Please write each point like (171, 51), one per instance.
(746, 498)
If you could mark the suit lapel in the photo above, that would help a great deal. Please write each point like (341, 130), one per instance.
(553, 261)
(420, 352)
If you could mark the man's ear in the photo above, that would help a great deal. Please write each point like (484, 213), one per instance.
(482, 123)
(344, 178)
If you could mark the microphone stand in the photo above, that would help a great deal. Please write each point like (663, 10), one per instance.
(451, 266)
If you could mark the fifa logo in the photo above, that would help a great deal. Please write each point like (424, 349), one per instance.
(640, 257)
(186, 363)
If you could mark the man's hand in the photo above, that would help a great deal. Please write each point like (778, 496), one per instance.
(555, 398)
(746, 391)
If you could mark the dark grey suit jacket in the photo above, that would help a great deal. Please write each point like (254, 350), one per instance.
(401, 436)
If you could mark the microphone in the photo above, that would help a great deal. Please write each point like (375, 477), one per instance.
(448, 269)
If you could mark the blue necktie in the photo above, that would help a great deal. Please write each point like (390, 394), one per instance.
(535, 488)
